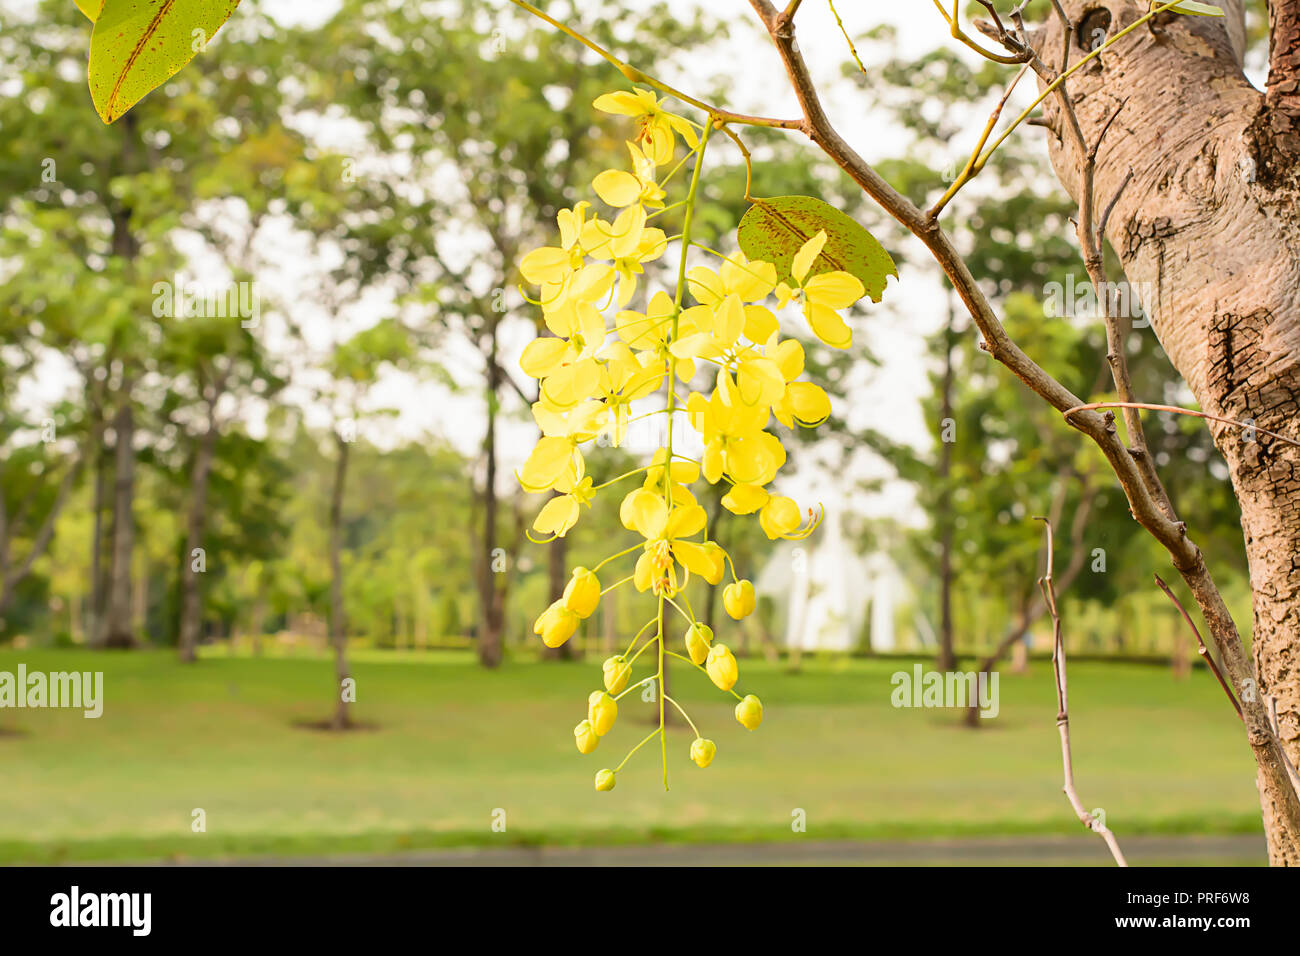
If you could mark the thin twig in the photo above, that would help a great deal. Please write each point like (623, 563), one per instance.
(847, 39)
(1277, 729)
(1090, 821)
(1201, 648)
(1149, 406)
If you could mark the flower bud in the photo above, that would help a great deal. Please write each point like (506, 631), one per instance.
(698, 639)
(601, 711)
(750, 712)
(721, 665)
(556, 625)
(605, 780)
(616, 671)
(738, 599)
(702, 751)
(717, 559)
(585, 737)
(582, 593)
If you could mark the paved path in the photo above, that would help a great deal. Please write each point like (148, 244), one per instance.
(1084, 849)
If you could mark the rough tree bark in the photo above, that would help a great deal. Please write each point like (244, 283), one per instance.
(1208, 219)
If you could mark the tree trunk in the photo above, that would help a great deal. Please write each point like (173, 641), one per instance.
(338, 626)
(490, 594)
(118, 627)
(947, 660)
(1207, 227)
(258, 622)
(98, 581)
(10, 578)
(191, 606)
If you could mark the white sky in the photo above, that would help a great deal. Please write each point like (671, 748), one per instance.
(886, 398)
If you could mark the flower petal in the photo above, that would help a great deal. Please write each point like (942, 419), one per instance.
(803, 259)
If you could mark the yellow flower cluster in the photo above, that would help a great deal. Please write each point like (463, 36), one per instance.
(602, 355)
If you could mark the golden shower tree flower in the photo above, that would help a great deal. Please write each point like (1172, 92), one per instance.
(703, 751)
(621, 189)
(655, 126)
(699, 637)
(582, 594)
(585, 737)
(665, 532)
(556, 624)
(602, 711)
(617, 353)
(822, 295)
(739, 599)
(750, 712)
(721, 667)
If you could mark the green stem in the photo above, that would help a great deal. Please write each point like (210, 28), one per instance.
(636, 76)
(657, 730)
(701, 669)
(684, 714)
(614, 557)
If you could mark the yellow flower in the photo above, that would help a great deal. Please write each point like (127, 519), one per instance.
(560, 514)
(682, 473)
(550, 458)
(577, 423)
(628, 242)
(739, 599)
(623, 380)
(721, 667)
(720, 327)
(616, 671)
(648, 331)
(745, 499)
(551, 263)
(556, 624)
(735, 443)
(605, 780)
(585, 737)
(702, 751)
(822, 295)
(804, 403)
(655, 126)
(780, 517)
(582, 594)
(621, 189)
(602, 711)
(748, 281)
(698, 639)
(750, 712)
(648, 515)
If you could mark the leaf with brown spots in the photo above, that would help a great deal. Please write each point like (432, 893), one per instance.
(775, 229)
(137, 45)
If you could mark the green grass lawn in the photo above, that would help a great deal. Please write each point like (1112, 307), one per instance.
(454, 743)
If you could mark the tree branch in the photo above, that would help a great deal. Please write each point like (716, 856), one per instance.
(1063, 709)
(1145, 507)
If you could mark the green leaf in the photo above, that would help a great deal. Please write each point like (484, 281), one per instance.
(90, 8)
(137, 45)
(775, 229)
